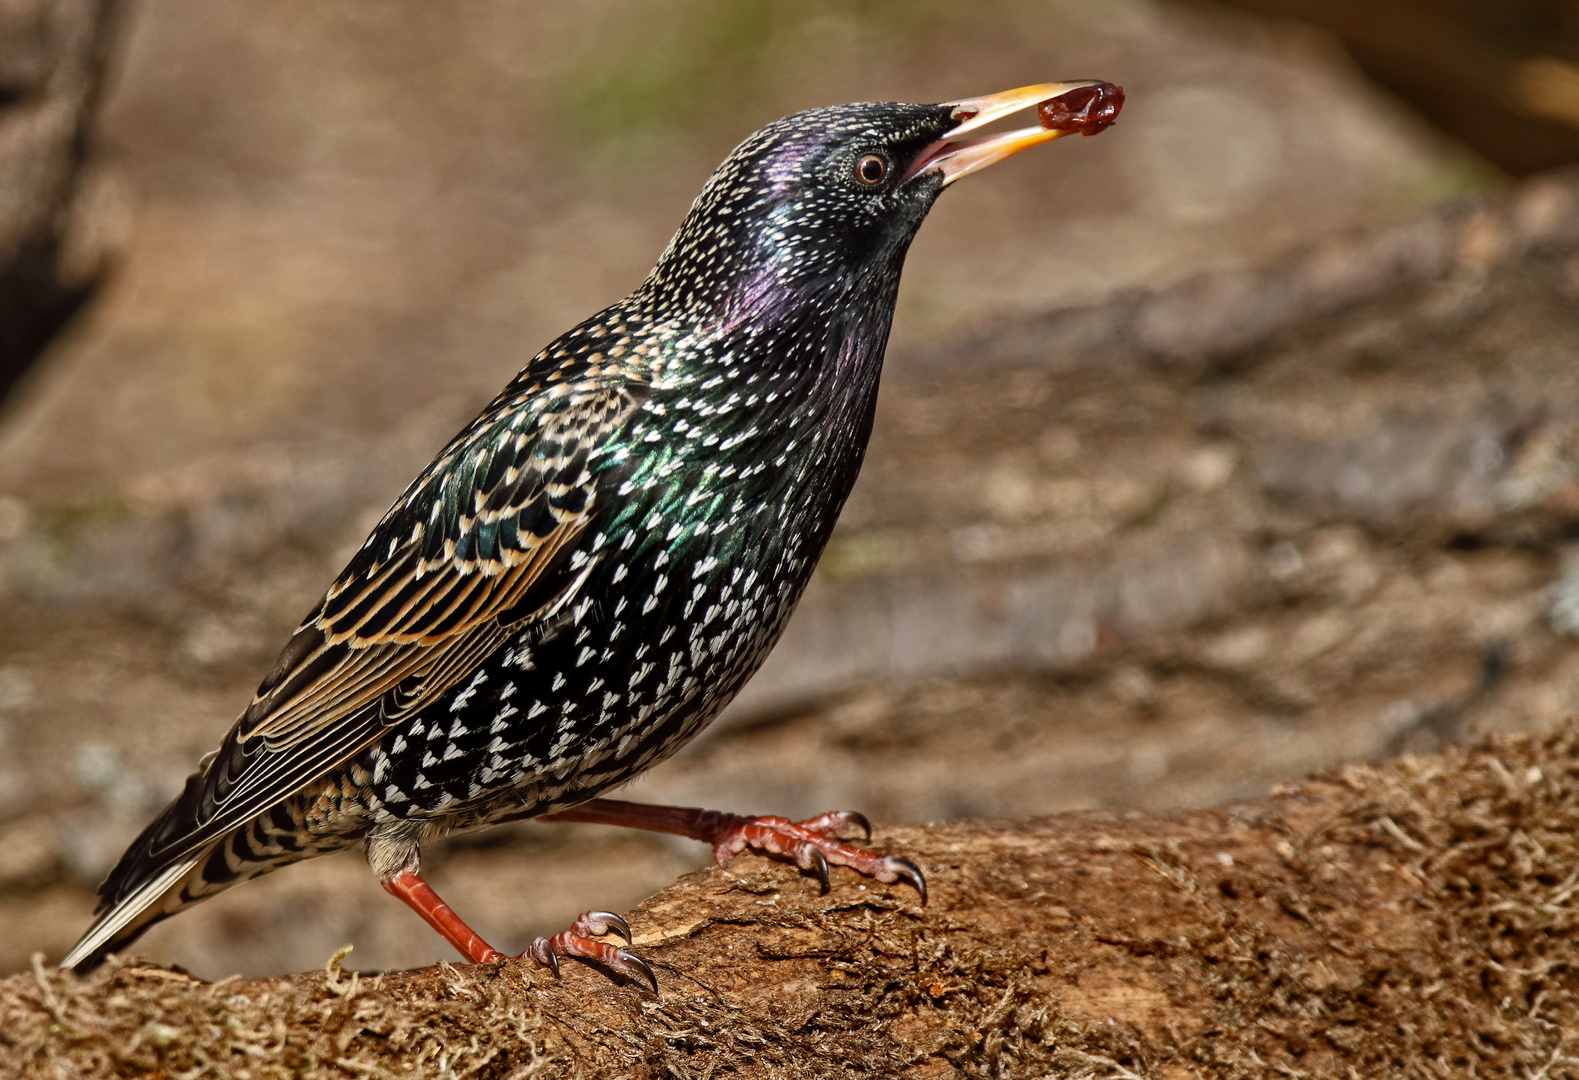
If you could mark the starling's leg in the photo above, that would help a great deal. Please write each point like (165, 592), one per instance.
(810, 844)
(577, 941)
(420, 897)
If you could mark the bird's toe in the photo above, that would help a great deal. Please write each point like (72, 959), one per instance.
(578, 942)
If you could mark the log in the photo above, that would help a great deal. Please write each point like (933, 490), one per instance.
(1413, 918)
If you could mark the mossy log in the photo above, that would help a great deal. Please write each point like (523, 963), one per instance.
(1414, 918)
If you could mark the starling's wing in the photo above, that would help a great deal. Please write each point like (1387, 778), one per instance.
(488, 540)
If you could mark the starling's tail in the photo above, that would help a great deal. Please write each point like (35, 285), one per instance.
(147, 883)
(124, 921)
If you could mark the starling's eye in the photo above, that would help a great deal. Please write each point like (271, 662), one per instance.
(871, 170)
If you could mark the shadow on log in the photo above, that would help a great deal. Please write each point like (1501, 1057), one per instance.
(1414, 918)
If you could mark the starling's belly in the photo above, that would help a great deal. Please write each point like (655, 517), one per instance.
(645, 658)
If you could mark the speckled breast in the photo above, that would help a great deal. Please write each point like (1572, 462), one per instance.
(680, 611)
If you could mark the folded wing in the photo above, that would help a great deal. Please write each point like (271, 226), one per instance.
(490, 538)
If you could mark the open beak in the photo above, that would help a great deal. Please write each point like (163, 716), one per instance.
(1086, 107)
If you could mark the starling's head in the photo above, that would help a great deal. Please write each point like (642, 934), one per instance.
(828, 200)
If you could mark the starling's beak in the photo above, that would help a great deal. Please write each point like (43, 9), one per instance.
(1086, 107)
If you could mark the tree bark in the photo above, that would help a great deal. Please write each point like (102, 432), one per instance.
(1407, 919)
(61, 215)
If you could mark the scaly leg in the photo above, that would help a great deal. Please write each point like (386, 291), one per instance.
(810, 844)
(577, 941)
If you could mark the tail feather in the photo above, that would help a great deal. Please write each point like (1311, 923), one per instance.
(144, 887)
(124, 921)
(165, 870)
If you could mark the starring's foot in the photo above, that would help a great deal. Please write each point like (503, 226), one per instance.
(577, 942)
(410, 887)
(811, 844)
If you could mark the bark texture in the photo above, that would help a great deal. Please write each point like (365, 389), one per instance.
(60, 217)
(1407, 919)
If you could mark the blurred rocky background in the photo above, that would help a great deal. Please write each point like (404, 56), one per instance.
(1239, 441)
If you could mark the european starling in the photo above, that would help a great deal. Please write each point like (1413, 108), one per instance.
(589, 572)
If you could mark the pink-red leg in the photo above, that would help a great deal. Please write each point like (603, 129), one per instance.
(420, 897)
(409, 886)
(810, 844)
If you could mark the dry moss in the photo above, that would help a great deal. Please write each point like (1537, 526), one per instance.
(1411, 919)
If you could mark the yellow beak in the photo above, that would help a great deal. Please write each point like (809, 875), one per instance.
(955, 157)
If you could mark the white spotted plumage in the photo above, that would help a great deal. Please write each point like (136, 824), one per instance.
(588, 573)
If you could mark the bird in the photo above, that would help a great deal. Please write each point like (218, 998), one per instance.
(588, 573)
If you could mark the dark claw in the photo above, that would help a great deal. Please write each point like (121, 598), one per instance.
(610, 923)
(819, 866)
(859, 821)
(543, 952)
(905, 870)
(631, 960)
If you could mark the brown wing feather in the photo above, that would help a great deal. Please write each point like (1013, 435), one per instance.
(435, 589)
(368, 667)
